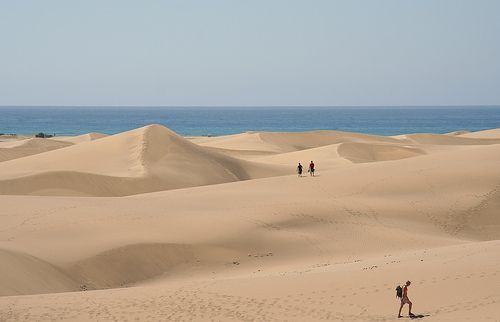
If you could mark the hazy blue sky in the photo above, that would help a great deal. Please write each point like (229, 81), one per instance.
(399, 52)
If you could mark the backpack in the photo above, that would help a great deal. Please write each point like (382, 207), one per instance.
(399, 292)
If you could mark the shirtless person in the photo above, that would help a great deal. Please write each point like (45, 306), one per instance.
(405, 300)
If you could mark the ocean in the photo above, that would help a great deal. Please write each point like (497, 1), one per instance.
(229, 120)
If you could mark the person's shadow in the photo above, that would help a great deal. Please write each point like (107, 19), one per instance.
(418, 316)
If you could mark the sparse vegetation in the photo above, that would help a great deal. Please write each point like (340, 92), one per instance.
(43, 135)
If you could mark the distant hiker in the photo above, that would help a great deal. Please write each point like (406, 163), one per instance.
(311, 168)
(402, 293)
(299, 169)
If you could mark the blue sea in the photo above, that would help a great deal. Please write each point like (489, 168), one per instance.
(229, 120)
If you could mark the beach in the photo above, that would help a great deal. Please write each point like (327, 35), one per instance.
(149, 225)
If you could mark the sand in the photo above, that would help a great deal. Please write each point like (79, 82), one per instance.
(151, 158)
(80, 138)
(221, 228)
(14, 147)
(10, 150)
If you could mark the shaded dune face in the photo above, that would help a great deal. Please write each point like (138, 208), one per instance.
(25, 274)
(372, 152)
(130, 264)
(134, 263)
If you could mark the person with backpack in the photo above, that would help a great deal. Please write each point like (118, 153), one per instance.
(402, 293)
(311, 168)
(299, 169)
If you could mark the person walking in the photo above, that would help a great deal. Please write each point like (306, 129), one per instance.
(311, 168)
(299, 169)
(405, 300)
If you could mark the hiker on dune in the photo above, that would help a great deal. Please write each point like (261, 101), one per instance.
(311, 168)
(402, 293)
(299, 169)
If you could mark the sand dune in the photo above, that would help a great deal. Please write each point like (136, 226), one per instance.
(80, 138)
(330, 148)
(25, 274)
(21, 148)
(148, 159)
(486, 134)
(353, 291)
(460, 132)
(280, 142)
(299, 141)
(442, 139)
(18, 148)
(278, 247)
(250, 141)
(284, 148)
(130, 264)
(326, 157)
(365, 152)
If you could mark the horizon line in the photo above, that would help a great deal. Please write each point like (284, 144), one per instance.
(255, 106)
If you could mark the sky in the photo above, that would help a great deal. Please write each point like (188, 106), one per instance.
(250, 53)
